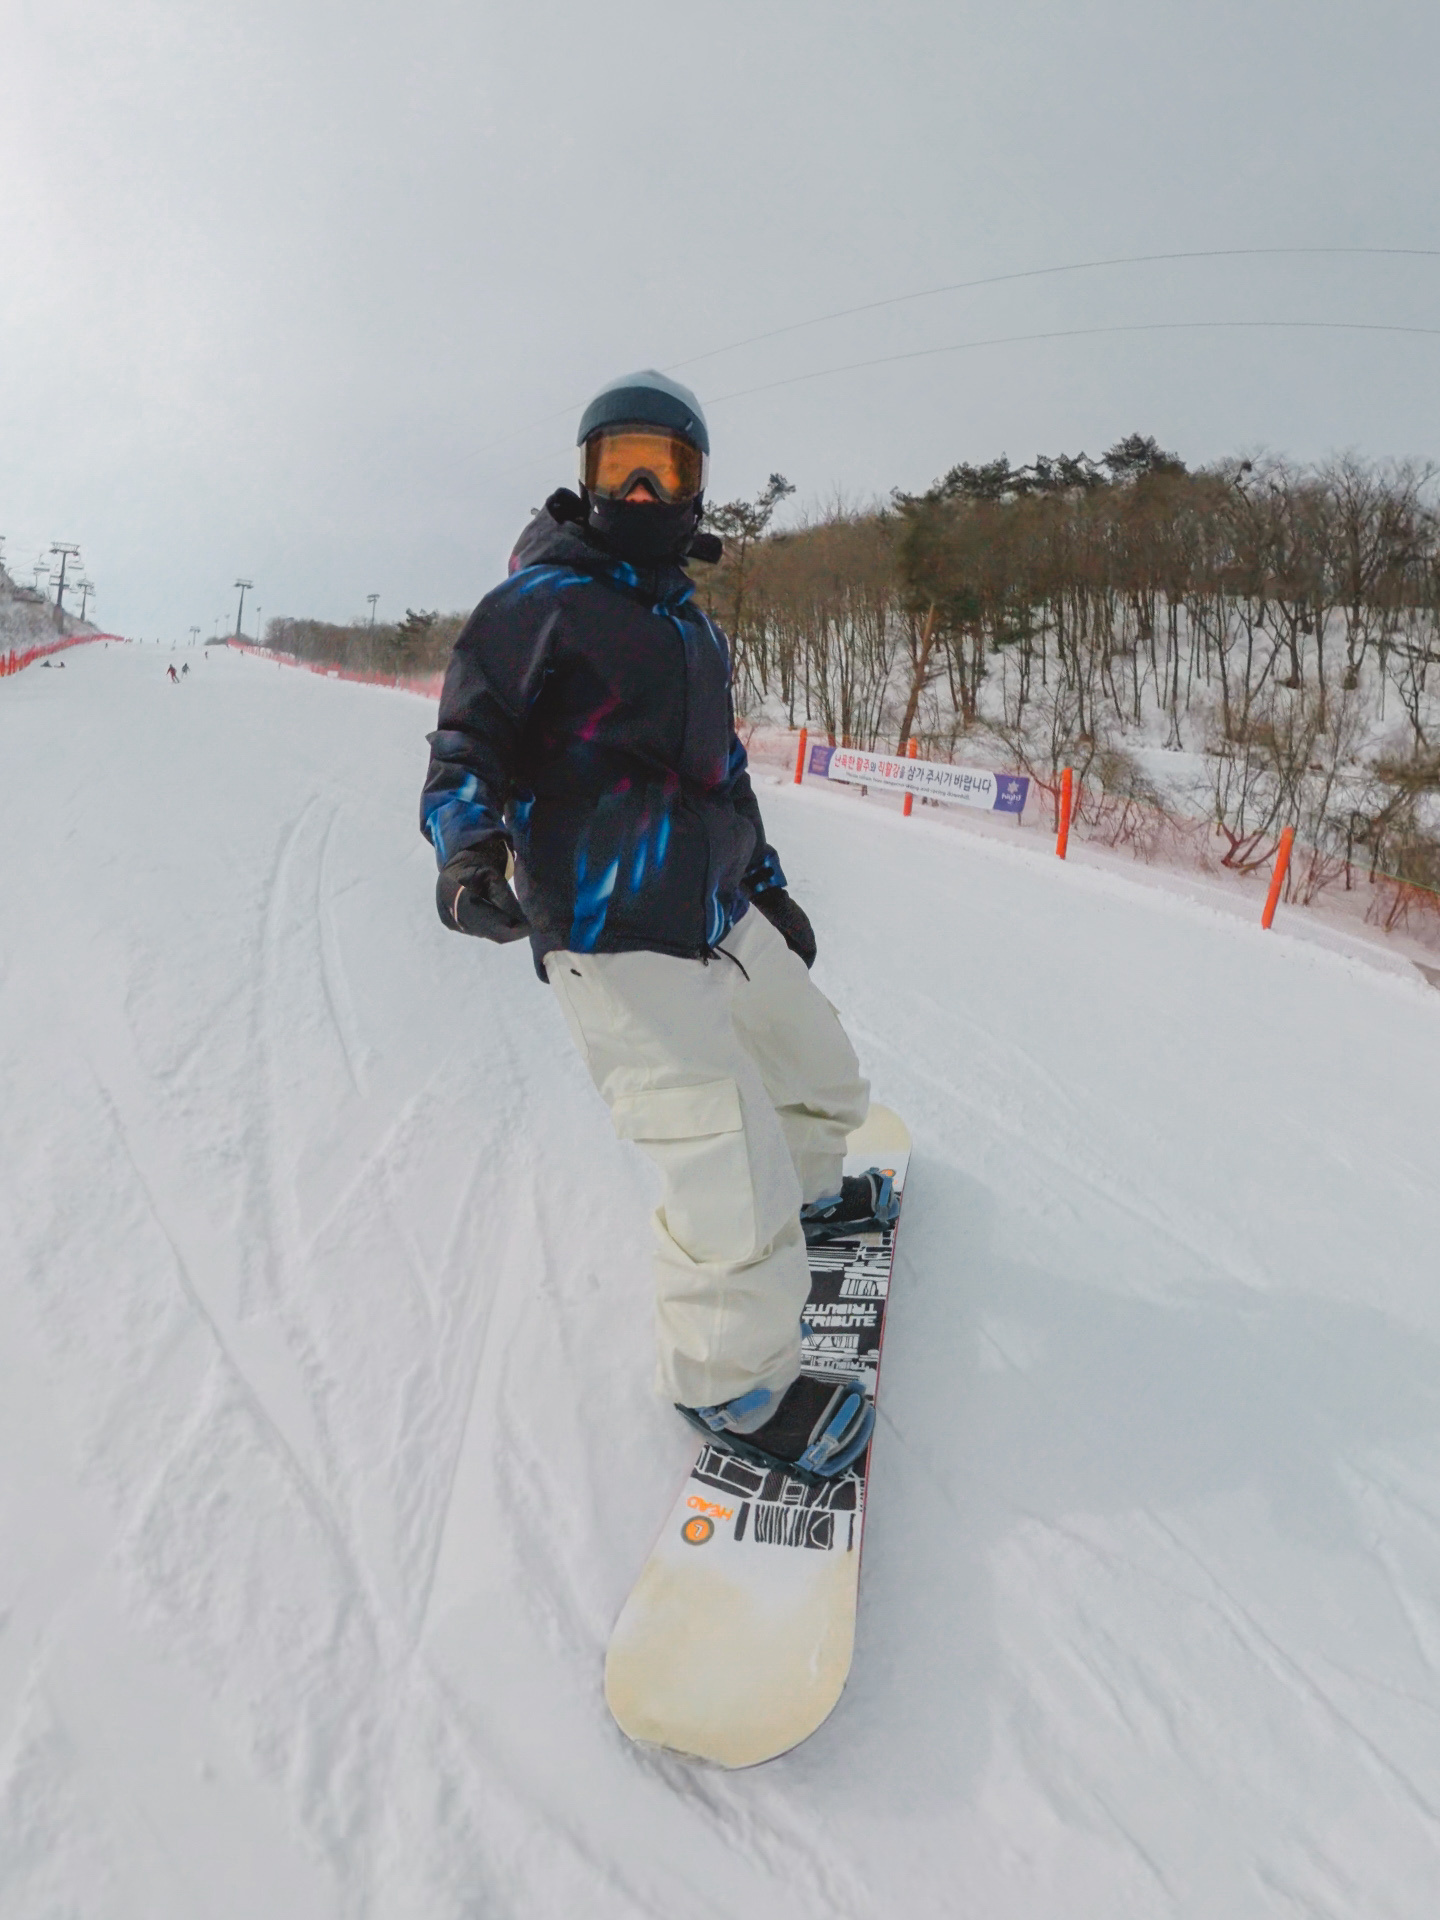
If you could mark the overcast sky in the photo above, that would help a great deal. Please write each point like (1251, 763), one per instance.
(313, 292)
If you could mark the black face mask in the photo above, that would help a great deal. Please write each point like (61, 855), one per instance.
(645, 530)
(565, 507)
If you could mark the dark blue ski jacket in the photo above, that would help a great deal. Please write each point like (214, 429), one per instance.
(587, 717)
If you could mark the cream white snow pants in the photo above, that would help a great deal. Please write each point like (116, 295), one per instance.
(741, 1087)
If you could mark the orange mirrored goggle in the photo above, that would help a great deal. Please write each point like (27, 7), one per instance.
(612, 460)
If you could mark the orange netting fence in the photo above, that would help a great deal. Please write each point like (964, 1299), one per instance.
(1296, 872)
(1301, 873)
(16, 660)
(428, 684)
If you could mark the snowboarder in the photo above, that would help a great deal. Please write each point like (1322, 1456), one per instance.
(173, 675)
(586, 726)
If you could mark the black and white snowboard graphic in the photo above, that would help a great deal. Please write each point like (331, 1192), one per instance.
(736, 1640)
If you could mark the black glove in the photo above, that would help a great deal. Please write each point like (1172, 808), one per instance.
(790, 921)
(472, 894)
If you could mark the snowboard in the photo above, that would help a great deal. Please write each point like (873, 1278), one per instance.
(735, 1642)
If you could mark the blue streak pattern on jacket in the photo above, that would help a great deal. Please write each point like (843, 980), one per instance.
(587, 717)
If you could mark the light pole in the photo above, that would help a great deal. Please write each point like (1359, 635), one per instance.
(372, 598)
(239, 617)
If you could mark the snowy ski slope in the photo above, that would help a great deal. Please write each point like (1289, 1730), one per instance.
(329, 1449)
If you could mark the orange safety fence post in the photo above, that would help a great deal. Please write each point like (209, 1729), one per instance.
(911, 750)
(1067, 787)
(1277, 879)
(800, 755)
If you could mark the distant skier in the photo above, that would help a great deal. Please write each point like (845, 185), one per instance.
(587, 724)
(173, 675)
(186, 668)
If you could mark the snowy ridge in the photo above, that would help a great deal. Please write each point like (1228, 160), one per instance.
(325, 1402)
(28, 624)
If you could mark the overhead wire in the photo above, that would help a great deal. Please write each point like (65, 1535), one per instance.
(995, 280)
(1074, 333)
(1041, 273)
(1022, 339)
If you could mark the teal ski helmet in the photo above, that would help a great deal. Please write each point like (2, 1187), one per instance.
(646, 399)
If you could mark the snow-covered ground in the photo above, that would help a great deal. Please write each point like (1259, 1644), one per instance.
(1182, 856)
(329, 1450)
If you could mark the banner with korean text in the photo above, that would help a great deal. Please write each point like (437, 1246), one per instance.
(930, 779)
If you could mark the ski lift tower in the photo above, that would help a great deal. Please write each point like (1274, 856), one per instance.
(67, 551)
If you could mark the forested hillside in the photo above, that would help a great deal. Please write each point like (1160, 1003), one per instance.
(1277, 628)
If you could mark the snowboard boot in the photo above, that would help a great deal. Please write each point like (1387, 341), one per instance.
(813, 1431)
(865, 1203)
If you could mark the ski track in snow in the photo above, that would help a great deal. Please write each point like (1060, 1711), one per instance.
(330, 1445)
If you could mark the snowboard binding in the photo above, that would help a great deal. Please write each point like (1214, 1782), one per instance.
(866, 1203)
(816, 1430)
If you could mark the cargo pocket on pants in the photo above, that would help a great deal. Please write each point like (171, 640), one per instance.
(696, 1137)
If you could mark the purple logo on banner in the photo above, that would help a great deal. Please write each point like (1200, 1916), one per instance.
(1010, 792)
(820, 760)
